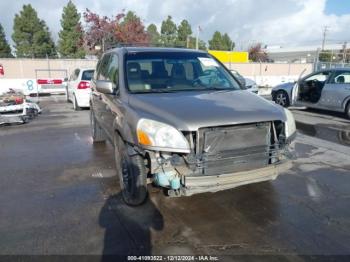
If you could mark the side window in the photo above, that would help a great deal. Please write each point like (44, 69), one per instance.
(97, 69)
(112, 71)
(76, 74)
(103, 69)
(322, 77)
(341, 77)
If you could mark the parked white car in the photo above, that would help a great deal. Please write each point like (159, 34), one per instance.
(247, 83)
(78, 88)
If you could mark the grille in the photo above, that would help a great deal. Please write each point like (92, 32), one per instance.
(235, 148)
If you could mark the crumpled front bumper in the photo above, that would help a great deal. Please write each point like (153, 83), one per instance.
(201, 184)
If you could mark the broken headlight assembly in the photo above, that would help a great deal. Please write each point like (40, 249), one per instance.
(290, 128)
(156, 135)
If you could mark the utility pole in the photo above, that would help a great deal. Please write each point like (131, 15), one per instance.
(197, 38)
(344, 52)
(325, 29)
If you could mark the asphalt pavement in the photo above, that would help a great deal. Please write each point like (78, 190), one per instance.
(59, 195)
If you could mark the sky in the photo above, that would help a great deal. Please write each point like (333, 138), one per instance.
(272, 22)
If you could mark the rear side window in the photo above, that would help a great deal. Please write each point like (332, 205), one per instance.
(341, 78)
(87, 75)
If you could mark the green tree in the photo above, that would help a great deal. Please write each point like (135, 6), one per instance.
(201, 44)
(183, 32)
(130, 17)
(71, 36)
(221, 42)
(153, 34)
(5, 49)
(216, 41)
(227, 43)
(31, 35)
(168, 32)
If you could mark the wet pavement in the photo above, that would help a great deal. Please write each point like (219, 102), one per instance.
(59, 196)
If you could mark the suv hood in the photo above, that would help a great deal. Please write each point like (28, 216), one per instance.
(188, 111)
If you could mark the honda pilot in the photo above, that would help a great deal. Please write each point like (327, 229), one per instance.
(179, 120)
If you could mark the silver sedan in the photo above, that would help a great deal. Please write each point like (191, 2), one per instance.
(326, 89)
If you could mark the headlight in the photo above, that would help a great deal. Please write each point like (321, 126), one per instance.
(156, 134)
(290, 128)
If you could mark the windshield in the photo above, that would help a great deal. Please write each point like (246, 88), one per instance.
(176, 71)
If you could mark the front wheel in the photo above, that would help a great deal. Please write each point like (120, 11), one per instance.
(132, 174)
(282, 99)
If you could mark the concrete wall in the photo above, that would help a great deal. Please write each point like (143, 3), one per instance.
(25, 68)
(271, 74)
(20, 73)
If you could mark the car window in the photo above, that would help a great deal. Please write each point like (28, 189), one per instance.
(112, 71)
(166, 72)
(322, 77)
(340, 77)
(74, 75)
(87, 75)
(103, 69)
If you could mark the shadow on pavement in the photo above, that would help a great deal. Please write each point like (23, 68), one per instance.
(128, 229)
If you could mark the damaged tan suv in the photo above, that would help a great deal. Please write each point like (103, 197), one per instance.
(179, 119)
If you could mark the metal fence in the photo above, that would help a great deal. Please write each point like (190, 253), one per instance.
(330, 65)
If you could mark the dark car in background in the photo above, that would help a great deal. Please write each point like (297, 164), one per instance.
(179, 119)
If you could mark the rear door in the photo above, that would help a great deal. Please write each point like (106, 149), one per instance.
(336, 90)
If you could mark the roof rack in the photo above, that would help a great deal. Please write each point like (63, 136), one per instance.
(143, 45)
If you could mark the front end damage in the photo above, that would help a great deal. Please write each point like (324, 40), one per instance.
(223, 158)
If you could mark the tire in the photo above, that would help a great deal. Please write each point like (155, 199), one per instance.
(132, 174)
(347, 110)
(76, 107)
(97, 133)
(67, 96)
(281, 98)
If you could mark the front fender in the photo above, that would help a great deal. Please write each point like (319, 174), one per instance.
(122, 127)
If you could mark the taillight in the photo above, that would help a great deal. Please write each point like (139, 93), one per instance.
(18, 100)
(49, 81)
(83, 85)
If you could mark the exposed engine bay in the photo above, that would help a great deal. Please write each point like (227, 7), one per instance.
(218, 152)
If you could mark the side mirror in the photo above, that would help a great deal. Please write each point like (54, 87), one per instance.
(106, 87)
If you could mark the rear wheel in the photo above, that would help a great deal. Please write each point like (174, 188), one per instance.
(76, 107)
(132, 174)
(97, 133)
(282, 98)
(67, 96)
(347, 110)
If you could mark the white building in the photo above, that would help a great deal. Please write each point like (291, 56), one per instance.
(300, 54)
